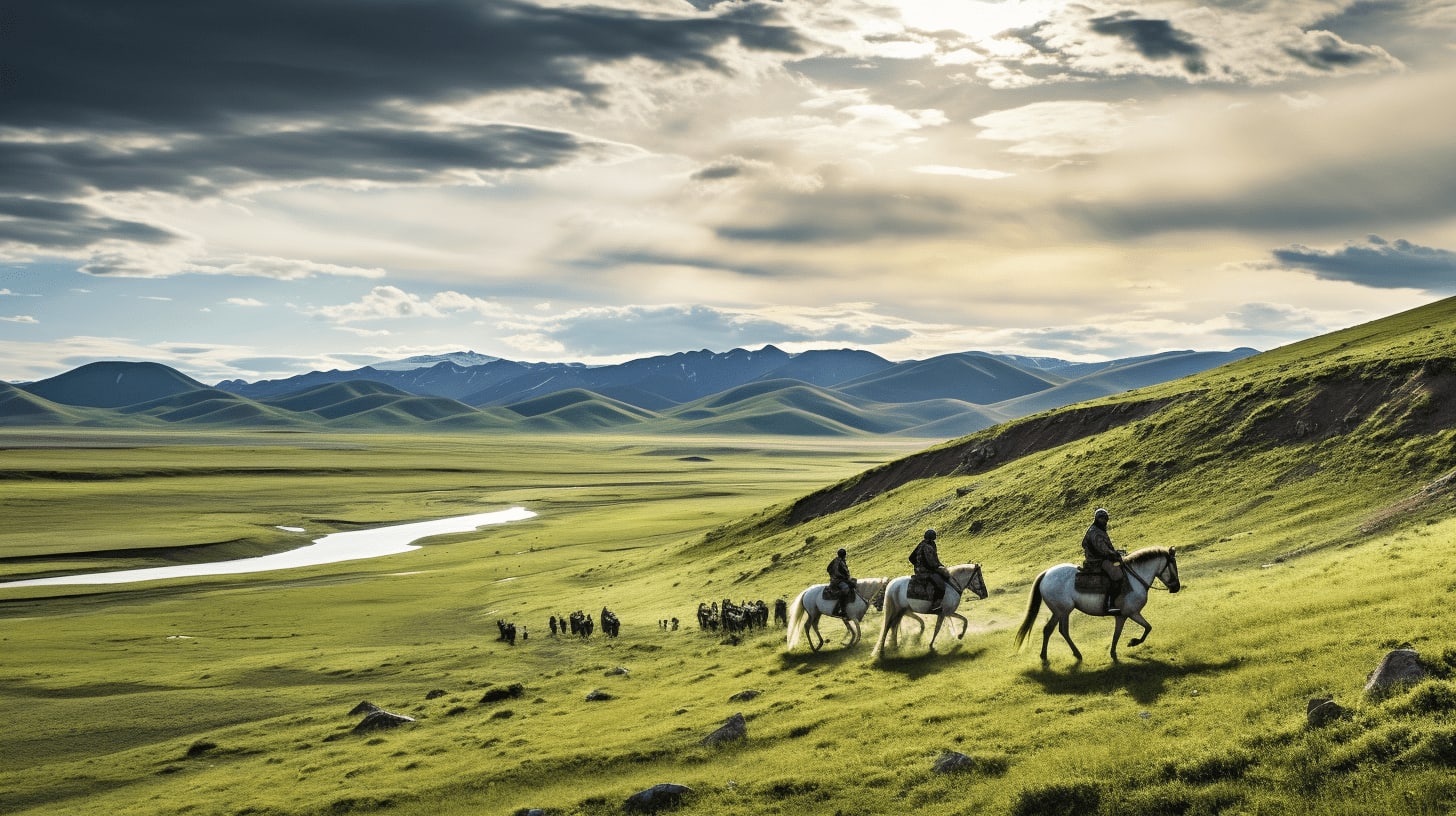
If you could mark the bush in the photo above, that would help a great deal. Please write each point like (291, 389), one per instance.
(1059, 799)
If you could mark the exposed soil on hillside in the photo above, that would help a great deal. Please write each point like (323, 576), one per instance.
(978, 453)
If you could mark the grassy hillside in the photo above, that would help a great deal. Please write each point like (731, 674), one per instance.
(1308, 492)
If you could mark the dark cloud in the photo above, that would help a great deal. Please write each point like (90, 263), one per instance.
(1326, 52)
(68, 226)
(165, 64)
(1155, 39)
(1377, 263)
(206, 166)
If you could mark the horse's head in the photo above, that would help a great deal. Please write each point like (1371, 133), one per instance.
(1169, 572)
(967, 578)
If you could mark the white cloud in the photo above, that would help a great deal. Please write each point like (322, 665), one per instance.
(244, 301)
(967, 172)
(287, 269)
(20, 319)
(1056, 129)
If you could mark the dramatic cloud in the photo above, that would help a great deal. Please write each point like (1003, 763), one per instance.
(1154, 39)
(163, 66)
(1377, 263)
(1056, 129)
(281, 269)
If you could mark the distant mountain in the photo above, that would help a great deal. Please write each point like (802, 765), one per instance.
(113, 384)
(463, 359)
(768, 391)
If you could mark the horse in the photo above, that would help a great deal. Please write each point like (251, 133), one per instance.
(810, 606)
(1056, 587)
(899, 605)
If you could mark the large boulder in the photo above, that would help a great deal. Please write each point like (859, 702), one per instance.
(734, 728)
(657, 797)
(1401, 667)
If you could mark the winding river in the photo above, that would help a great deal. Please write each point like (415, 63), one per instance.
(346, 546)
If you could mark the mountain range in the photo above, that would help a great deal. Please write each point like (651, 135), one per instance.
(767, 391)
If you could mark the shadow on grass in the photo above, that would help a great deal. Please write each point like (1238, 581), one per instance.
(833, 654)
(916, 666)
(1146, 679)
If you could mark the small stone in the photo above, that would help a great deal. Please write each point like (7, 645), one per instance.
(381, 720)
(953, 762)
(657, 797)
(1321, 711)
(1400, 667)
(734, 728)
(597, 695)
(744, 696)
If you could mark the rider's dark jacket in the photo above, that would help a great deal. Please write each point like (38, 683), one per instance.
(926, 558)
(839, 571)
(1099, 552)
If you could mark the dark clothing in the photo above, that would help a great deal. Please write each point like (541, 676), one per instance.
(1100, 554)
(841, 584)
(838, 571)
(1103, 557)
(926, 559)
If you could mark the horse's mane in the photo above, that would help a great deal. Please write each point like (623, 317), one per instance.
(1147, 554)
(876, 583)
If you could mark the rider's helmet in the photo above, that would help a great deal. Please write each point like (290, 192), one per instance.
(842, 553)
(1100, 514)
(930, 534)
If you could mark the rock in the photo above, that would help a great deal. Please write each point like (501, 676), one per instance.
(435, 693)
(619, 670)
(1400, 667)
(596, 695)
(657, 797)
(365, 707)
(744, 696)
(495, 695)
(953, 762)
(734, 728)
(1322, 711)
(381, 720)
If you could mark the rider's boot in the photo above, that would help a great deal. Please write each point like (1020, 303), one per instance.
(1112, 607)
(838, 609)
(935, 606)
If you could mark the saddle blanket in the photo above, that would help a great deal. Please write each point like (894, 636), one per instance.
(1091, 582)
(832, 594)
(921, 588)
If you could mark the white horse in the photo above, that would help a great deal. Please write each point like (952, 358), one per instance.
(810, 606)
(1057, 588)
(899, 605)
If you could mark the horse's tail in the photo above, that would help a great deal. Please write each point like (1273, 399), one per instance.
(1033, 608)
(797, 617)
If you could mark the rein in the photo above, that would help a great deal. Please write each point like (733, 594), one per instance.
(1146, 584)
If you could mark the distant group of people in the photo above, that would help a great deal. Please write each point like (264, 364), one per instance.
(732, 617)
(508, 632)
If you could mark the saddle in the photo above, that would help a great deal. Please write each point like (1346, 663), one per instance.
(832, 594)
(1091, 579)
(921, 588)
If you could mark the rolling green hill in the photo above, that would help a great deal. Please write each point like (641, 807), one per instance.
(1310, 493)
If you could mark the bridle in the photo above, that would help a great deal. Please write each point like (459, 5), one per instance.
(1156, 576)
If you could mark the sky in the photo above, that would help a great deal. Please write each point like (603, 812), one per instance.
(251, 190)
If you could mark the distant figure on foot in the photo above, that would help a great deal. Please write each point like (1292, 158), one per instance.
(926, 560)
(1103, 557)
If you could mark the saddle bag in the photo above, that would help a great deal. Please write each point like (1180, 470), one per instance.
(1088, 581)
(921, 588)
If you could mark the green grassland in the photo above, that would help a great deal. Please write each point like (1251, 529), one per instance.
(1308, 492)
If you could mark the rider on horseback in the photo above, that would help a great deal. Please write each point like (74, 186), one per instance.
(839, 582)
(926, 559)
(1104, 558)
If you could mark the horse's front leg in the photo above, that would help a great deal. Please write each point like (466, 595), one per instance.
(1147, 629)
(811, 630)
(1117, 634)
(965, 624)
(853, 628)
(939, 621)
